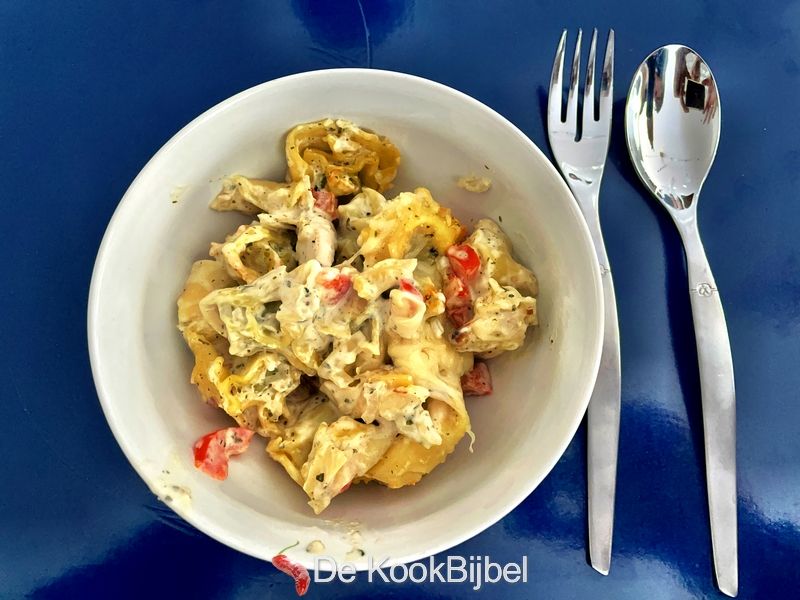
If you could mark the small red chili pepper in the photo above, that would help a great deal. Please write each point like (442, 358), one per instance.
(297, 572)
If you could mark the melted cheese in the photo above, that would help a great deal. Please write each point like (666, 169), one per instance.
(341, 451)
(408, 225)
(352, 371)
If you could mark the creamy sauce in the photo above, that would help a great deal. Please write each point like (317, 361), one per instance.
(177, 496)
(354, 555)
(315, 547)
(474, 184)
(177, 193)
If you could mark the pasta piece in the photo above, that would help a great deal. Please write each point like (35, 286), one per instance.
(260, 384)
(246, 315)
(438, 367)
(204, 277)
(253, 250)
(342, 451)
(209, 348)
(494, 248)
(383, 275)
(387, 396)
(434, 363)
(292, 446)
(284, 206)
(249, 196)
(501, 318)
(354, 217)
(352, 356)
(298, 314)
(210, 354)
(407, 461)
(263, 382)
(407, 226)
(341, 157)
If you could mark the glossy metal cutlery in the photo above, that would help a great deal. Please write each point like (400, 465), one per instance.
(672, 126)
(580, 147)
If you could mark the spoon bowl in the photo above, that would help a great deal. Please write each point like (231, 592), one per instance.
(672, 124)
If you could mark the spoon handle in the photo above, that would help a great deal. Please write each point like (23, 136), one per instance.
(719, 407)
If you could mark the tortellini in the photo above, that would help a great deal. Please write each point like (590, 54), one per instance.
(341, 157)
(324, 324)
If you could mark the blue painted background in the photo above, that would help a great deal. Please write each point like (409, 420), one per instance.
(90, 90)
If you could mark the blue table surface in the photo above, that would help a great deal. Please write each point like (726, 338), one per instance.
(90, 90)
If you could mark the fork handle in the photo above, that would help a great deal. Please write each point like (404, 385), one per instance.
(603, 420)
(719, 408)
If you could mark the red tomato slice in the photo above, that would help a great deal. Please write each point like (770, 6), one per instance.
(212, 451)
(464, 261)
(408, 286)
(337, 287)
(477, 381)
(326, 202)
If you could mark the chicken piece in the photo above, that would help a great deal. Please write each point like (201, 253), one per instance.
(407, 310)
(316, 238)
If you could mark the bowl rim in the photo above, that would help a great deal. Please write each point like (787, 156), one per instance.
(200, 521)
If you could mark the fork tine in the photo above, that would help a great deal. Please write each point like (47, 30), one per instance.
(588, 88)
(572, 96)
(556, 84)
(607, 84)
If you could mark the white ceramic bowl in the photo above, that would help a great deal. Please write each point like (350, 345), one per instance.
(141, 365)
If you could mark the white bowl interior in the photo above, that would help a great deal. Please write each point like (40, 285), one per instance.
(141, 365)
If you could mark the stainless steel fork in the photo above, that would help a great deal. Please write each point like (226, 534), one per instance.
(580, 150)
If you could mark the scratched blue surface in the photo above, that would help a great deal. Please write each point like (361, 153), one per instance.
(90, 90)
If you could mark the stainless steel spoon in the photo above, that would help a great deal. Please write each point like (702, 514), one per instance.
(672, 126)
